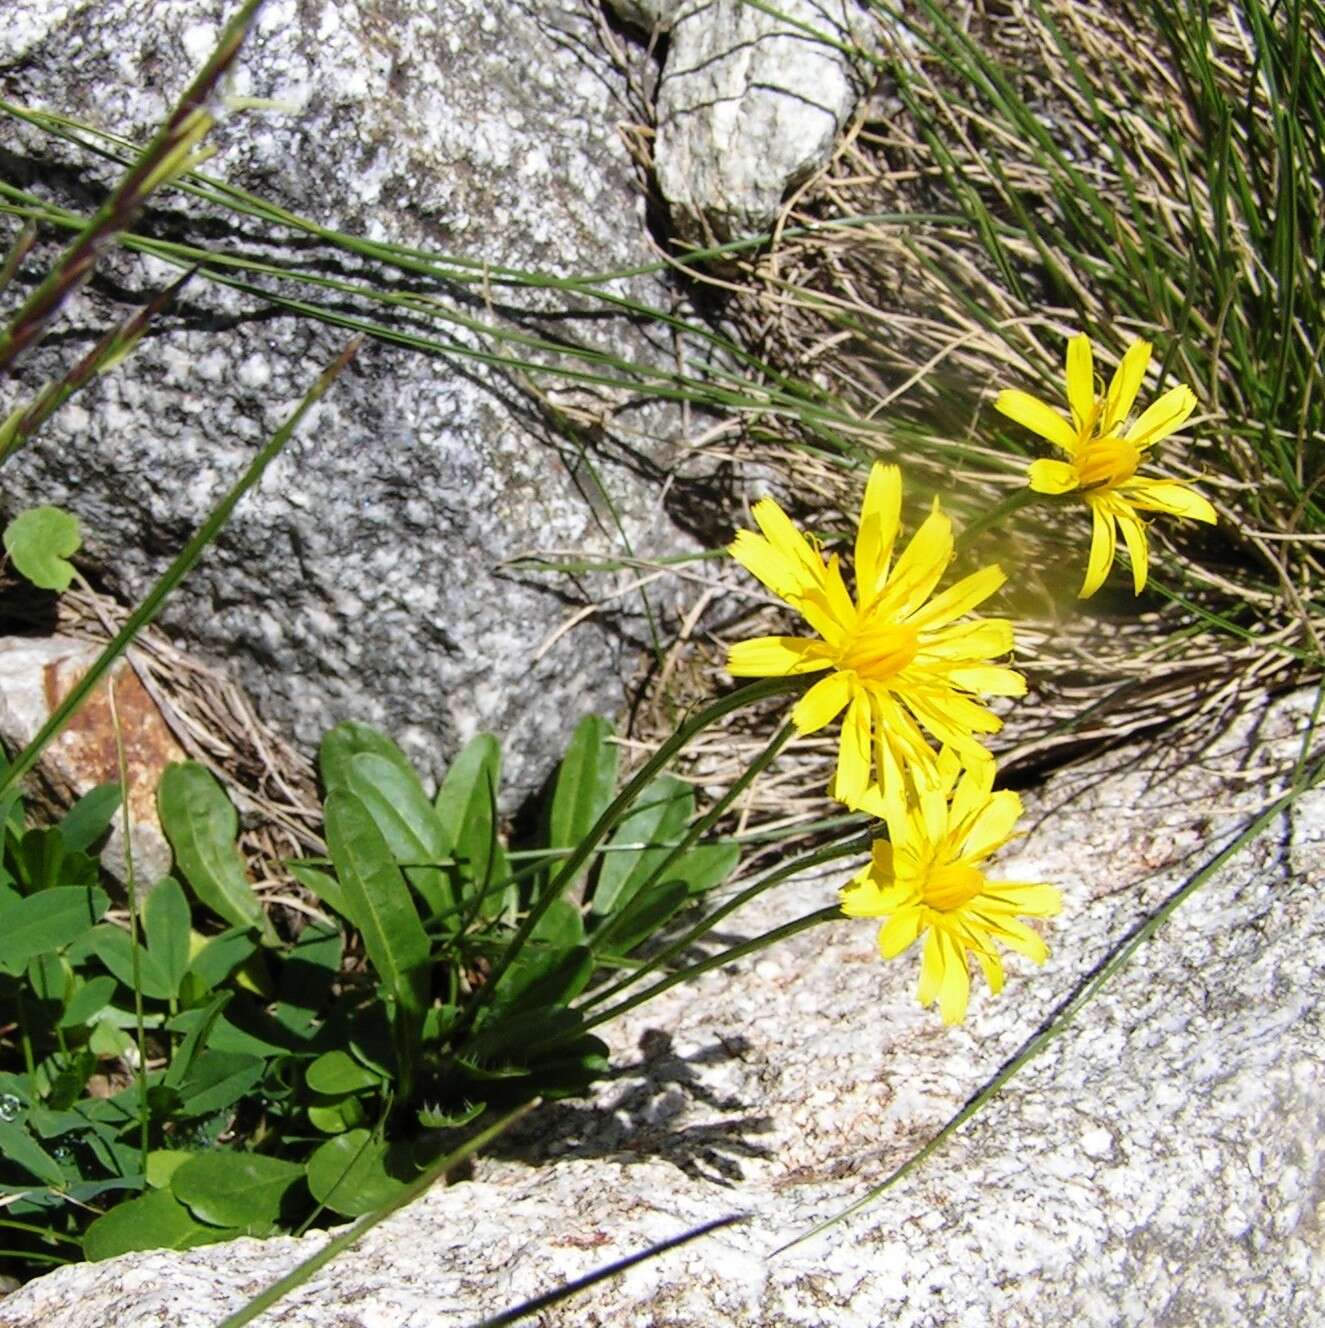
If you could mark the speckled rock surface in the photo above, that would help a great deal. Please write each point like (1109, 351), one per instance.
(364, 578)
(750, 104)
(1158, 1163)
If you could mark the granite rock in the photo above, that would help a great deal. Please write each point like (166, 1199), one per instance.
(1158, 1162)
(365, 578)
(750, 104)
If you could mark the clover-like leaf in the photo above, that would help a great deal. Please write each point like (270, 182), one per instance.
(39, 543)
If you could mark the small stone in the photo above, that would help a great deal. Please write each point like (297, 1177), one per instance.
(36, 674)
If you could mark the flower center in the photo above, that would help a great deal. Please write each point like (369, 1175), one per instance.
(949, 887)
(878, 652)
(1106, 462)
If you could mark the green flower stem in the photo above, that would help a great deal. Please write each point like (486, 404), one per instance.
(830, 914)
(857, 844)
(570, 868)
(173, 575)
(719, 808)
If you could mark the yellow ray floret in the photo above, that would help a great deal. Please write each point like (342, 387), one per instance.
(899, 661)
(1103, 456)
(926, 881)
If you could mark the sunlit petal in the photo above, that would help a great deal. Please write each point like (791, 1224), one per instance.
(1103, 545)
(1046, 476)
(1081, 383)
(1038, 417)
(1138, 547)
(880, 515)
(1171, 496)
(1162, 417)
(1123, 389)
(776, 657)
(823, 702)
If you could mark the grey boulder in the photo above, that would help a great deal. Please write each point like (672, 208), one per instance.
(369, 576)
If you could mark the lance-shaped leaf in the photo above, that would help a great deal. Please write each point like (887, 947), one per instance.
(201, 824)
(384, 913)
(585, 783)
(411, 827)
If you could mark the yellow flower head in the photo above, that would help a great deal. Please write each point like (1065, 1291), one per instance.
(897, 658)
(1103, 457)
(927, 881)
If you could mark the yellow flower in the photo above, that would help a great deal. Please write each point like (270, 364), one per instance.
(1103, 459)
(899, 662)
(927, 881)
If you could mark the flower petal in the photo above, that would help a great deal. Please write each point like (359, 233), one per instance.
(1034, 899)
(955, 988)
(780, 532)
(853, 752)
(985, 638)
(862, 896)
(1175, 497)
(1081, 384)
(1037, 416)
(931, 968)
(1123, 389)
(958, 600)
(993, 827)
(900, 931)
(823, 702)
(1162, 417)
(1138, 547)
(776, 657)
(988, 680)
(1103, 545)
(1047, 476)
(880, 516)
(919, 568)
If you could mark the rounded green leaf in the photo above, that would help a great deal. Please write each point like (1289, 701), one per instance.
(234, 1189)
(47, 921)
(153, 1221)
(337, 1072)
(349, 1174)
(39, 542)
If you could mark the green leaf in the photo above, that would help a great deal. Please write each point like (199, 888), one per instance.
(542, 976)
(90, 817)
(217, 1080)
(200, 1027)
(43, 860)
(88, 1001)
(585, 783)
(232, 1189)
(641, 918)
(411, 827)
(48, 921)
(114, 947)
(336, 1072)
(467, 806)
(335, 1115)
(519, 1035)
(705, 866)
(201, 825)
(433, 1118)
(352, 1174)
(162, 1163)
(561, 926)
(221, 954)
(658, 816)
(50, 978)
(20, 1148)
(311, 966)
(39, 542)
(346, 741)
(326, 887)
(166, 924)
(153, 1221)
(392, 934)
